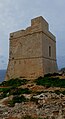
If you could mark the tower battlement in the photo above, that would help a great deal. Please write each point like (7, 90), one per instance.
(38, 24)
(40, 21)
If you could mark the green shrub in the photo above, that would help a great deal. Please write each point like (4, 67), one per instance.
(57, 92)
(54, 74)
(48, 75)
(17, 99)
(27, 117)
(39, 92)
(39, 118)
(50, 82)
(5, 90)
(3, 83)
(34, 100)
(18, 91)
(14, 82)
(11, 103)
(3, 95)
(63, 92)
(13, 91)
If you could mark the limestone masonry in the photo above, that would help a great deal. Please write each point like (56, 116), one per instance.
(32, 51)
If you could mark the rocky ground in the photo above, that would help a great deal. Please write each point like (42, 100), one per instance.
(48, 106)
(42, 103)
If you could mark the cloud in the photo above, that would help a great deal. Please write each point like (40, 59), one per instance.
(0, 52)
(3, 63)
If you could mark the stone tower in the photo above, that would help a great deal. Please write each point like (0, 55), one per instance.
(32, 51)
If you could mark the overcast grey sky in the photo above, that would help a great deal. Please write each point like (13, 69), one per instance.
(16, 15)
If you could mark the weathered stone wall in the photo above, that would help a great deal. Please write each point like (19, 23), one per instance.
(29, 51)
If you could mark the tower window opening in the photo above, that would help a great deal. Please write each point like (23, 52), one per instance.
(49, 51)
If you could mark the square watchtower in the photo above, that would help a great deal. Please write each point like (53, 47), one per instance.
(32, 51)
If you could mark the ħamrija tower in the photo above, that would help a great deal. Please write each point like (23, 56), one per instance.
(32, 51)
